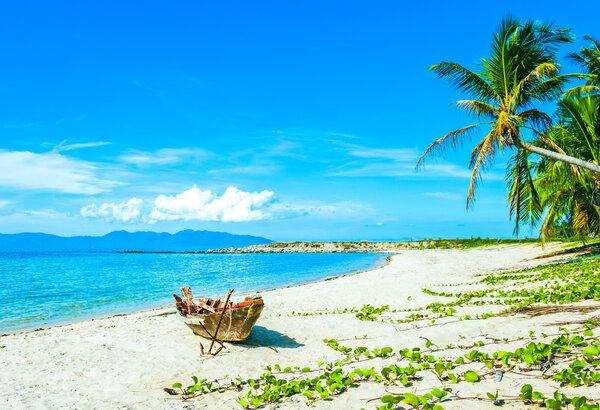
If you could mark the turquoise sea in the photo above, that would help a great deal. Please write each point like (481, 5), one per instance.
(44, 289)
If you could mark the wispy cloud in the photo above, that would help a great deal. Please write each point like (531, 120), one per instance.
(164, 156)
(51, 171)
(44, 213)
(63, 146)
(339, 134)
(266, 169)
(332, 210)
(267, 159)
(399, 169)
(395, 154)
(394, 162)
(70, 120)
(4, 203)
(446, 195)
(283, 148)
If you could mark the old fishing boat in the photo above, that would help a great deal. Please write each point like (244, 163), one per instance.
(216, 320)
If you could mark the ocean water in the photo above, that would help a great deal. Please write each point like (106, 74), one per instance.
(44, 289)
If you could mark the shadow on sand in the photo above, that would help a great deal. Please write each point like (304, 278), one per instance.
(263, 337)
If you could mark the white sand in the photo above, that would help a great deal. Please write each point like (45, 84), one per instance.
(125, 361)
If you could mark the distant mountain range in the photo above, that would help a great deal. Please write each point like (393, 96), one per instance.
(183, 241)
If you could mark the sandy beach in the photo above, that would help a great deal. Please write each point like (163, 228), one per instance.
(126, 361)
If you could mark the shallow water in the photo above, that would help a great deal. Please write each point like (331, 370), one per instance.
(43, 289)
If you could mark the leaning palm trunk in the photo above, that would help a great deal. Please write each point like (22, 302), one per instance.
(557, 156)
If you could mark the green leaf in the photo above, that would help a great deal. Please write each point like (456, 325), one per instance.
(176, 386)
(577, 402)
(386, 351)
(526, 392)
(388, 398)
(411, 399)
(471, 376)
(553, 404)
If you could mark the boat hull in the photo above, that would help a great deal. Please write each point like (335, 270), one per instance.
(236, 324)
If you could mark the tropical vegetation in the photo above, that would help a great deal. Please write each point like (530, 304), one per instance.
(553, 174)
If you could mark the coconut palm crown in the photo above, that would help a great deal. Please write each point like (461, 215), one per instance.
(521, 71)
(560, 195)
(589, 60)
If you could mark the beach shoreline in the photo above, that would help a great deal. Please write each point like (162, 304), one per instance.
(378, 263)
(132, 357)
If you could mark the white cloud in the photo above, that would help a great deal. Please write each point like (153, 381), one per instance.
(4, 203)
(233, 206)
(342, 209)
(446, 195)
(396, 154)
(124, 212)
(44, 213)
(69, 147)
(248, 170)
(406, 169)
(339, 134)
(396, 162)
(398, 169)
(392, 162)
(164, 156)
(51, 171)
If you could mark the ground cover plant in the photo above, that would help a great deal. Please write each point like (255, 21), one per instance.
(569, 357)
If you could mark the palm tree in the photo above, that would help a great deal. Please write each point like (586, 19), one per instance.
(521, 71)
(560, 194)
(566, 199)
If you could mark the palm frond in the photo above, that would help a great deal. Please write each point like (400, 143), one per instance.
(536, 76)
(450, 140)
(465, 80)
(481, 157)
(477, 108)
(538, 119)
(523, 199)
(581, 90)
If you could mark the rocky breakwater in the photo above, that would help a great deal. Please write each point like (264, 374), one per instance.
(318, 247)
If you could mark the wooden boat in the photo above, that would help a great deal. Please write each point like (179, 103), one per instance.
(231, 323)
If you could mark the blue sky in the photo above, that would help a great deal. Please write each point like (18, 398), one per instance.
(290, 120)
